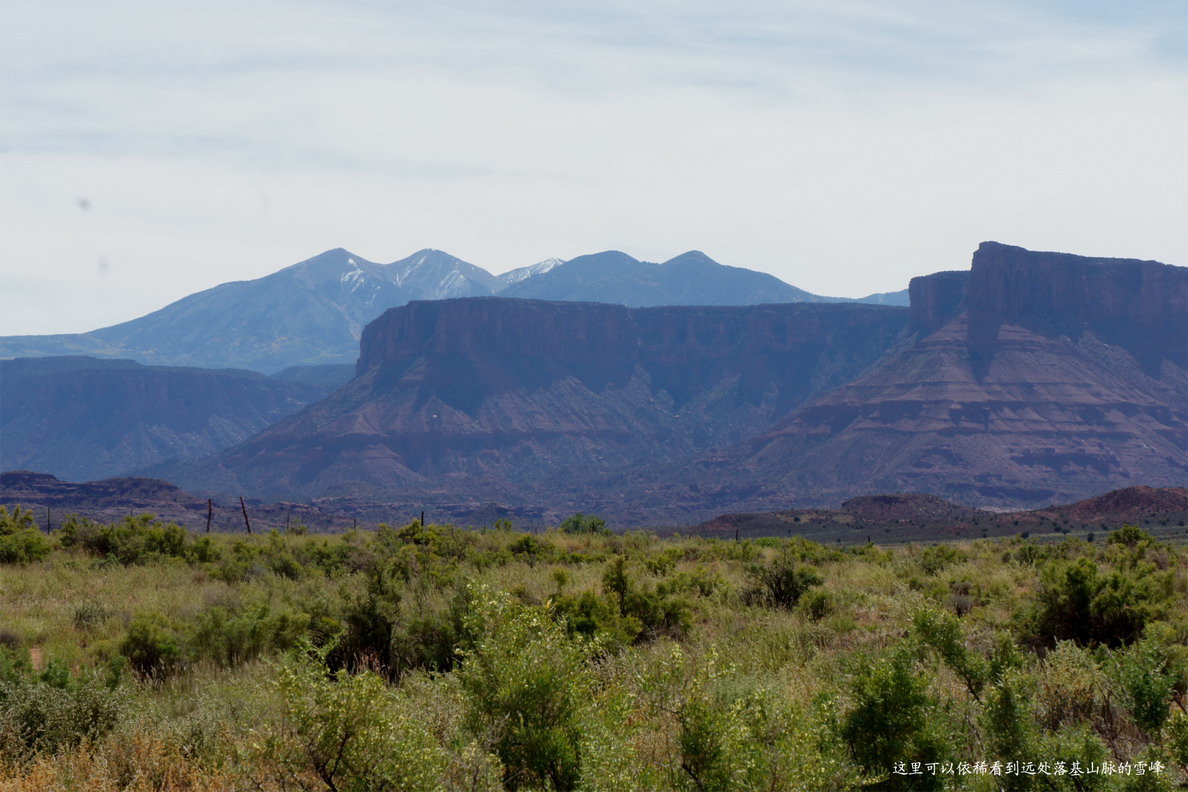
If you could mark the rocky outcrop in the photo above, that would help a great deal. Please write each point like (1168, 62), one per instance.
(53, 501)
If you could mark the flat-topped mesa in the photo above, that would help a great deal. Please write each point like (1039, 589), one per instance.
(522, 343)
(1139, 305)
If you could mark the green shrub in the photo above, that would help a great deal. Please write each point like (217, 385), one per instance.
(443, 541)
(432, 635)
(1130, 536)
(1177, 738)
(1147, 687)
(591, 615)
(699, 581)
(711, 743)
(748, 738)
(781, 582)
(1078, 602)
(1005, 657)
(49, 712)
(89, 615)
(350, 732)
(330, 556)
(659, 612)
(942, 632)
(21, 542)
(664, 563)
(231, 636)
(152, 645)
(893, 719)
(15, 662)
(1007, 720)
(279, 558)
(1077, 743)
(583, 524)
(134, 540)
(19, 519)
(816, 604)
(526, 682)
(530, 549)
(1073, 688)
(937, 558)
(370, 620)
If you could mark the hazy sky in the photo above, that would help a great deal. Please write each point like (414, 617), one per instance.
(153, 148)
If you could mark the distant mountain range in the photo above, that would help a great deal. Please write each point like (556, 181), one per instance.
(314, 312)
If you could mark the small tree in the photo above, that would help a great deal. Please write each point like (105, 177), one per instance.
(781, 582)
(584, 524)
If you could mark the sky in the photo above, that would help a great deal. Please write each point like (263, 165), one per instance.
(150, 149)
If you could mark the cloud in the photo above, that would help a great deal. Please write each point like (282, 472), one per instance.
(844, 146)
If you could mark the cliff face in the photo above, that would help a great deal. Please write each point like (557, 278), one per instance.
(475, 348)
(1048, 377)
(936, 299)
(503, 398)
(470, 349)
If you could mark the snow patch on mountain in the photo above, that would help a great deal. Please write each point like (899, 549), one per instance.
(523, 273)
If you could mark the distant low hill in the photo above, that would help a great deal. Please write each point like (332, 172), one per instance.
(314, 312)
(914, 516)
(110, 500)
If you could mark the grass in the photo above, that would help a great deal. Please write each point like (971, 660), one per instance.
(742, 696)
